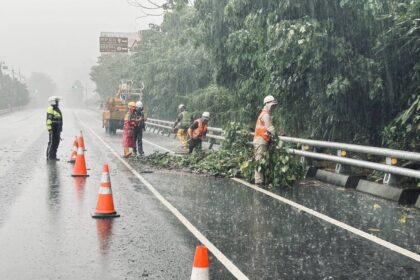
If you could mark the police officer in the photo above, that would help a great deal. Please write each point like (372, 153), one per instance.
(54, 126)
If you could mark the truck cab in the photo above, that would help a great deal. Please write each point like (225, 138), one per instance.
(116, 106)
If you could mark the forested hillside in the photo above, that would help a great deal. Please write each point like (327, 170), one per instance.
(13, 92)
(342, 70)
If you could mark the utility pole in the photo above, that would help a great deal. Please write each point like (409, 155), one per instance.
(86, 93)
(13, 90)
(1, 74)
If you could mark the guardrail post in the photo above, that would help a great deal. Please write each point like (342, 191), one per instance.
(340, 168)
(390, 179)
(212, 142)
(303, 160)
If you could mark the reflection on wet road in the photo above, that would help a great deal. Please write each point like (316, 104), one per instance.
(46, 231)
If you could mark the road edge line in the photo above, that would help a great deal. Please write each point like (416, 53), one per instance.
(213, 249)
(159, 147)
(335, 222)
(330, 220)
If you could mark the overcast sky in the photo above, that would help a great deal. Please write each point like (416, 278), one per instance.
(60, 37)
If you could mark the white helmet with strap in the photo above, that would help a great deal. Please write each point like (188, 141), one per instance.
(139, 104)
(53, 100)
(206, 115)
(270, 99)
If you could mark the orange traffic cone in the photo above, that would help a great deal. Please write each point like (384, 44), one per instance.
(105, 205)
(79, 169)
(82, 141)
(200, 269)
(73, 154)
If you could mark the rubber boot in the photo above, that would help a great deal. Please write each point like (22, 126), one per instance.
(127, 152)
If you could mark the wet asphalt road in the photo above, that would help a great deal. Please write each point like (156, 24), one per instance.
(46, 231)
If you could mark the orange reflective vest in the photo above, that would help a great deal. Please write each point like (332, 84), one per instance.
(260, 128)
(200, 131)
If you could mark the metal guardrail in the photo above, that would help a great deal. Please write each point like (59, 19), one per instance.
(4, 111)
(341, 159)
(360, 163)
(355, 148)
(214, 133)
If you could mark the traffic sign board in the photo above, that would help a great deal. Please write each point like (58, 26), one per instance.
(113, 44)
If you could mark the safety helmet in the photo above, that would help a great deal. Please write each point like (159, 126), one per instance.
(206, 115)
(139, 104)
(270, 99)
(131, 104)
(53, 100)
(181, 106)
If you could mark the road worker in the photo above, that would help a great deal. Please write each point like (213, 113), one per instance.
(264, 134)
(128, 129)
(138, 129)
(182, 124)
(198, 131)
(54, 127)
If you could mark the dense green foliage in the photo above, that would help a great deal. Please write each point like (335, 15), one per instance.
(404, 131)
(12, 92)
(341, 70)
(108, 73)
(235, 159)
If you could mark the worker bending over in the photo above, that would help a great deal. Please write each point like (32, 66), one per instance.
(198, 131)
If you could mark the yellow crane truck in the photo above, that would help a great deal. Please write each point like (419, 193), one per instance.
(116, 106)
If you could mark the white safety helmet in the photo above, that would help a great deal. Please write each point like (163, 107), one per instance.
(181, 106)
(270, 99)
(139, 104)
(206, 115)
(53, 100)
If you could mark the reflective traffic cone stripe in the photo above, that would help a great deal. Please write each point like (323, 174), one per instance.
(200, 269)
(105, 206)
(79, 169)
(105, 180)
(82, 141)
(73, 154)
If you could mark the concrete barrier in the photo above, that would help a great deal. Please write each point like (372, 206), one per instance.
(346, 181)
(418, 202)
(4, 111)
(403, 196)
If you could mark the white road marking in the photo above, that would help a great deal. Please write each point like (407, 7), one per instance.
(332, 221)
(213, 249)
(335, 222)
(159, 147)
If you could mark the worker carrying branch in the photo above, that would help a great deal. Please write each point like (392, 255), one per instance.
(198, 131)
(264, 133)
(54, 127)
(181, 125)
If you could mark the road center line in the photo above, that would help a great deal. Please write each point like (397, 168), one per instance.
(330, 220)
(213, 249)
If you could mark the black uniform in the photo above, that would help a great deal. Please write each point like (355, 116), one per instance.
(138, 131)
(54, 126)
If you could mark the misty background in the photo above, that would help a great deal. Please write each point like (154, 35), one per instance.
(52, 44)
